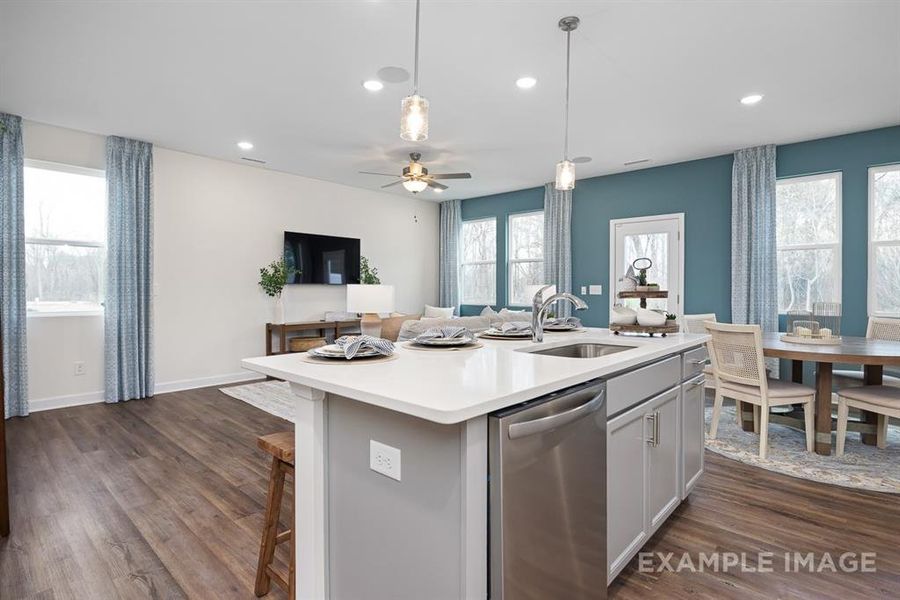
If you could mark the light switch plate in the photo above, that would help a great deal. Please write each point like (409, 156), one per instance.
(595, 290)
(384, 459)
(584, 290)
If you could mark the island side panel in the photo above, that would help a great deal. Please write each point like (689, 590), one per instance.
(310, 501)
(388, 539)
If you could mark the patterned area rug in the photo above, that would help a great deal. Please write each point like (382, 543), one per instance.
(863, 467)
(274, 397)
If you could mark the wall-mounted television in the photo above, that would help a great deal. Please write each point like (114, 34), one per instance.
(323, 259)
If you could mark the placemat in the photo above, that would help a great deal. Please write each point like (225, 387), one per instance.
(343, 361)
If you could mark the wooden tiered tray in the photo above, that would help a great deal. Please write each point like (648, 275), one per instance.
(661, 330)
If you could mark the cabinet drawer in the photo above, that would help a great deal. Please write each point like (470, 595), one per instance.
(632, 388)
(694, 362)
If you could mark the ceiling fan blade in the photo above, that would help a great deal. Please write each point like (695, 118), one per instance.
(387, 185)
(451, 176)
(436, 185)
(385, 174)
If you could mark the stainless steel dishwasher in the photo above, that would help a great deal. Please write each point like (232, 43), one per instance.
(547, 519)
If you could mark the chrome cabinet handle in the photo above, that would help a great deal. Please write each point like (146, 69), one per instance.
(698, 361)
(654, 427)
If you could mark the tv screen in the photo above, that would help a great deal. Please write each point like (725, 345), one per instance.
(324, 259)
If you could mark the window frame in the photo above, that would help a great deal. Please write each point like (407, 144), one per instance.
(872, 244)
(511, 261)
(62, 311)
(463, 263)
(837, 246)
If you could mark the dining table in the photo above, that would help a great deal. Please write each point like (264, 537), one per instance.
(872, 354)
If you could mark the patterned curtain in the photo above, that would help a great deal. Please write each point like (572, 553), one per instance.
(754, 292)
(558, 243)
(129, 352)
(451, 225)
(12, 266)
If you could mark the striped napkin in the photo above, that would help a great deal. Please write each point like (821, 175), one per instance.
(515, 327)
(351, 344)
(446, 333)
(573, 322)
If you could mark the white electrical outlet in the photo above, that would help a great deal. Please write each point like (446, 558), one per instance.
(384, 459)
(595, 290)
(584, 290)
(80, 369)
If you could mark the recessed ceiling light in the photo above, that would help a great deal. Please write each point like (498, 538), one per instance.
(373, 85)
(751, 99)
(526, 83)
(245, 145)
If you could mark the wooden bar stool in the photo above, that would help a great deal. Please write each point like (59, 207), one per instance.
(281, 447)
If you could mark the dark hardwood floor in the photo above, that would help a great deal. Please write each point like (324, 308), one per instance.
(164, 498)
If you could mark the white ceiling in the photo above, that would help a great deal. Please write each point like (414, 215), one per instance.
(658, 80)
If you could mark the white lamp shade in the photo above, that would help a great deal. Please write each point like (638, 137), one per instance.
(415, 185)
(531, 290)
(370, 298)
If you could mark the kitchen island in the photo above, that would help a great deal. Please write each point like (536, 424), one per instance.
(421, 531)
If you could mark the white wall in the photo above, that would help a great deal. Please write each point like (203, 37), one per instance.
(215, 224)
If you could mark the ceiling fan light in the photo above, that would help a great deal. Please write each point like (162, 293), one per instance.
(414, 118)
(565, 175)
(415, 185)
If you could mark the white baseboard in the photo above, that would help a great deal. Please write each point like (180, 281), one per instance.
(64, 401)
(54, 402)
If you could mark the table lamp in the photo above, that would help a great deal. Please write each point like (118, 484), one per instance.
(369, 300)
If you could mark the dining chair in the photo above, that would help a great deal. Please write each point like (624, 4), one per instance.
(697, 324)
(879, 328)
(737, 360)
(880, 399)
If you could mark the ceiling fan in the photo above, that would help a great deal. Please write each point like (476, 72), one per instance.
(416, 178)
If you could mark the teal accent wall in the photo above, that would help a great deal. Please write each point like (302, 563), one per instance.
(702, 190)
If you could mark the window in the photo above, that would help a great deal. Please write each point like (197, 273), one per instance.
(525, 255)
(884, 240)
(65, 238)
(808, 240)
(478, 271)
(659, 238)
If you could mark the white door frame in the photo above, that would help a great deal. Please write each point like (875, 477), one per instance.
(679, 217)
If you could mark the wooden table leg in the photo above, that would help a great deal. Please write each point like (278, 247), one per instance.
(282, 340)
(823, 408)
(797, 371)
(872, 375)
(268, 340)
(746, 415)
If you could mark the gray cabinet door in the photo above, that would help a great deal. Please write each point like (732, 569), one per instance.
(663, 456)
(692, 433)
(626, 452)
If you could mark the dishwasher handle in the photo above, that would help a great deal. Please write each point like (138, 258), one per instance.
(526, 428)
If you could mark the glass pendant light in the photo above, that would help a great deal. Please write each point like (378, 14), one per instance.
(414, 108)
(565, 169)
(415, 185)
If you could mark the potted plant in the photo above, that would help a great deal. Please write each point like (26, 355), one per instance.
(670, 319)
(272, 280)
(367, 275)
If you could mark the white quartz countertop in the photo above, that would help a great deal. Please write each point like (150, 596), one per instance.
(454, 386)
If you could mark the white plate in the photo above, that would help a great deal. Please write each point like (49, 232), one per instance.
(507, 335)
(333, 351)
(561, 327)
(457, 341)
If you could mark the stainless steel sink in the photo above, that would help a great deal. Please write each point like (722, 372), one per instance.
(583, 350)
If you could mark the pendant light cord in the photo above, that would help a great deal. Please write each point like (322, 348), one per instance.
(568, 62)
(416, 65)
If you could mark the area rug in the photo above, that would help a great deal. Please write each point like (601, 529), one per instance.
(861, 467)
(274, 397)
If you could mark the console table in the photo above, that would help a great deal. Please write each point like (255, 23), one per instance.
(282, 329)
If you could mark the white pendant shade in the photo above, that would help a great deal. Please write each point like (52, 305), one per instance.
(415, 185)
(414, 118)
(565, 175)
(363, 298)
